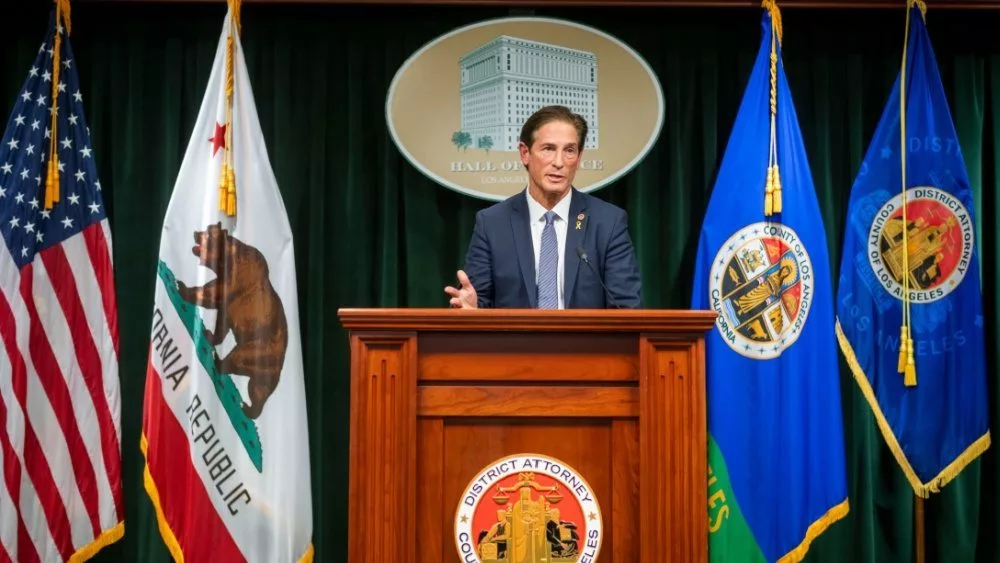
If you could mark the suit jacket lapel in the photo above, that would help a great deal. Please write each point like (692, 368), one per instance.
(574, 237)
(525, 250)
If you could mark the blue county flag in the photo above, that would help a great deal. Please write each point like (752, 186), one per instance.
(934, 418)
(777, 475)
(60, 456)
(224, 421)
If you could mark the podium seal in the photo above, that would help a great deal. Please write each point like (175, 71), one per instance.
(531, 508)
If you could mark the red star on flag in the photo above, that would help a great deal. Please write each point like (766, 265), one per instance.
(219, 139)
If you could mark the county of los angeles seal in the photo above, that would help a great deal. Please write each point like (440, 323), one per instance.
(528, 508)
(940, 237)
(761, 286)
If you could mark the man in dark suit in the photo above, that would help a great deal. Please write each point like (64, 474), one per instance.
(526, 251)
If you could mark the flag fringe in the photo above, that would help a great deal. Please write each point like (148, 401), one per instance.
(107, 537)
(815, 530)
(921, 489)
(154, 496)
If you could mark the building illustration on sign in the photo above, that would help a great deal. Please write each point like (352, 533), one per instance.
(507, 79)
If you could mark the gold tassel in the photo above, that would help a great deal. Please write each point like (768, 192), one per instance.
(230, 192)
(777, 190)
(227, 190)
(52, 183)
(222, 185)
(769, 192)
(901, 364)
(910, 376)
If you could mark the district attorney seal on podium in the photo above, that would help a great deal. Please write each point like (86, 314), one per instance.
(528, 508)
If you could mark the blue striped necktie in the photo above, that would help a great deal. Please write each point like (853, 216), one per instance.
(548, 264)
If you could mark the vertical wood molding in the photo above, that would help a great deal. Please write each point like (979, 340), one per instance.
(672, 434)
(433, 541)
(383, 446)
(625, 492)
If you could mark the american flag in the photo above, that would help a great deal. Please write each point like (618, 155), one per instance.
(60, 484)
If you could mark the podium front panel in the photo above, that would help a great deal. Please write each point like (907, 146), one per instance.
(611, 416)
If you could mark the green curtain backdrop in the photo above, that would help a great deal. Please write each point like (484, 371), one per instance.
(371, 231)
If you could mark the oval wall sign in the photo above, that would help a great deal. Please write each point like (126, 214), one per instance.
(456, 106)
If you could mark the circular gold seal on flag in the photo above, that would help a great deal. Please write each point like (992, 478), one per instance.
(761, 286)
(528, 507)
(940, 239)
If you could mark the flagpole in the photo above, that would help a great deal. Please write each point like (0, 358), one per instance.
(772, 189)
(52, 169)
(918, 524)
(906, 365)
(227, 181)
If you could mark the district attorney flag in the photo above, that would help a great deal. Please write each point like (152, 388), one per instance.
(60, 428)
(224, 424)
(777, 473)
(941, 423)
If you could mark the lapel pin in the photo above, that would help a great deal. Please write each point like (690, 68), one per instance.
(579, 221)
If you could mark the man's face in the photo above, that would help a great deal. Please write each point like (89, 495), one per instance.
(553, 158)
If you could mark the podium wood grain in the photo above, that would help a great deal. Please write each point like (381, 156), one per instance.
(437, 395)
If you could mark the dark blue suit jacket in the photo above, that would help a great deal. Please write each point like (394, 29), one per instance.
(500, 261)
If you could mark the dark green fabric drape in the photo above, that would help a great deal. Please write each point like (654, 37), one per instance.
(371, 231)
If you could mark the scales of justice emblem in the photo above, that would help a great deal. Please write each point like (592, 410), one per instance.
(761, 286)
(939, 243)
(528, 508)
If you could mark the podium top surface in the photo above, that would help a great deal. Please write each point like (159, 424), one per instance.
(563, 320)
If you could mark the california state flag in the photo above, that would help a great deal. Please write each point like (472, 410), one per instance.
(224, 422)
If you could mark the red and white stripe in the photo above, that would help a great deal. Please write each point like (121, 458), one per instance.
(60, 454)
(181, 497)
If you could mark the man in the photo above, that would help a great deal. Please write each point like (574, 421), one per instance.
(526, 251)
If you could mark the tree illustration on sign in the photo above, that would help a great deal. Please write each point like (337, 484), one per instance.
(461, 140)
(485, 142)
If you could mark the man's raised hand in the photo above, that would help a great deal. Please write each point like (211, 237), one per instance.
(464, 297)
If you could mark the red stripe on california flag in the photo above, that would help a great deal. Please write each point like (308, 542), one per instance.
(184, 500)
(89, 360)
(34, 460)
(100, 257)
(54, 384)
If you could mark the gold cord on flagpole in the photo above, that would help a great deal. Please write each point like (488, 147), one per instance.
(227, 181)
(772, 190)
(52, 170)
(906, 364)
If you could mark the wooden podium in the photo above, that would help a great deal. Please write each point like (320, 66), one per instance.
(439, 394)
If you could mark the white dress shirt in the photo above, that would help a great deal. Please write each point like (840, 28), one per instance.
(536, 218)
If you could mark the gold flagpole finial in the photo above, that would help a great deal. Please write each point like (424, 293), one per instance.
(772, 7)
(234, 7)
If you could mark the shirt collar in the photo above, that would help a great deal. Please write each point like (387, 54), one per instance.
(536, 212)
